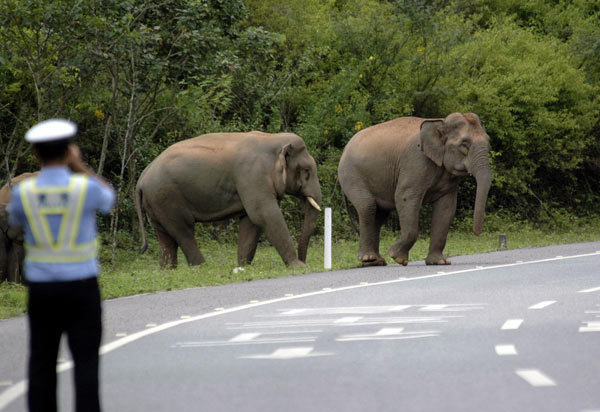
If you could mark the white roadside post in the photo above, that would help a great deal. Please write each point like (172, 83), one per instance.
(327, 238)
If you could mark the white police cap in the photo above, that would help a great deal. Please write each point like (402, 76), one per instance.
(51, 130)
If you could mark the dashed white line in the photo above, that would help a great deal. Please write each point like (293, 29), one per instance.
(590, 290)
(388, 334)
(535, 378)
(505, 350)
(288, 353)
(6, 383)
(348, 319)
(591, 327)
(512, 324)
(244, 337)
(543, 304)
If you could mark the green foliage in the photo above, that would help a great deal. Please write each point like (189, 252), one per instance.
(140, 76)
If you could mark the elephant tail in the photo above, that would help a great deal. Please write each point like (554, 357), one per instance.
(139, 211)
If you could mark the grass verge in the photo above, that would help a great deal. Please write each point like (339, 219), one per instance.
(134, 274)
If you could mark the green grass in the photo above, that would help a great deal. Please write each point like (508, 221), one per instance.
(136, 274)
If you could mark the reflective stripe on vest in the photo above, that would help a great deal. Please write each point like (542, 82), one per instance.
(66, 201)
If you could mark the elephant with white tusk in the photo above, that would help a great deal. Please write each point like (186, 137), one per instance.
(409, 161)
(223, 175)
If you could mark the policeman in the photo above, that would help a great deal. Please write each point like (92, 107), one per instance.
(57, 209)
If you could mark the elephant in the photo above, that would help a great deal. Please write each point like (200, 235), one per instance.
(219, 176)
(409, 161)
(12, 252)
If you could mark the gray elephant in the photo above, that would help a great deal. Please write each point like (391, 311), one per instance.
(409, 161)
(12, 252)
(223, 175)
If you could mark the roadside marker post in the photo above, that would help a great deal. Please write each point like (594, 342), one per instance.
(327, 238)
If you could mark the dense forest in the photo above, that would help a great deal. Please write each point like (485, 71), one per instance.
(138, 76)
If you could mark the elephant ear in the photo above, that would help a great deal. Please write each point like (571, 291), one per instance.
(433, 140)
(280, 172)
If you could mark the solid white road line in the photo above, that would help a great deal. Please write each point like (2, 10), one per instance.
(535, 378)
(505, 350)
(512, 324)
(18, 389)
(590, 290)
(543, 304)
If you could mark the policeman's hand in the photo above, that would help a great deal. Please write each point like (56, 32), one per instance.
(74, 157)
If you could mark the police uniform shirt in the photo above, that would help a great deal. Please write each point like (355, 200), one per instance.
(95, 197)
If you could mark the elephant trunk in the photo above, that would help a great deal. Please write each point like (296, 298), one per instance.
(311, 213)
(482, 173)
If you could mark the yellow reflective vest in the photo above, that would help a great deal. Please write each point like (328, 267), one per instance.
(65, 201)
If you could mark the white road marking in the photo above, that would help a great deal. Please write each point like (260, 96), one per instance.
(151, 325)
(334, 322)
(244, 337)
(543, 304)
(388, 334)
(590, 290)
(6, 383)
(433, 308)
(505, 350)
(345, 310)
(184, 317)
(370, 310)
(288, 353)
(253, 339)
(219, 309)
(535, 378)
(18, 389)
(120, 334)
(348, 319)
(389, 331)
(591, 327)
(512, 324)
(294, 311)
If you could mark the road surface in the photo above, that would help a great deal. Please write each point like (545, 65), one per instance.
(509, 331)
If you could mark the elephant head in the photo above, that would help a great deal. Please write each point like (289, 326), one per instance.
(297, 175)
(460, 144)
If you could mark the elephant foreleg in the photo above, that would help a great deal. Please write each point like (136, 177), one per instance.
(408, 213)
(443, 212)
(269, 217)
(247, 241)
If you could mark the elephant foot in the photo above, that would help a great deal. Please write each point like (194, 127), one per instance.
(437, 260)
(372, 259)
(297, 264)
(401, 261)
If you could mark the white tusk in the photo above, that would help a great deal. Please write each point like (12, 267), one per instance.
(313, 203)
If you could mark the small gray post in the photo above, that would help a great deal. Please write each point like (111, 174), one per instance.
(327, 238)
(502, 241)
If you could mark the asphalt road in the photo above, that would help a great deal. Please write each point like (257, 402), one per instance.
(508, 331)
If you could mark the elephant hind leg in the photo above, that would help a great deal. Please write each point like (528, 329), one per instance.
(185, 237)
(247, 241)
(168, 249)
